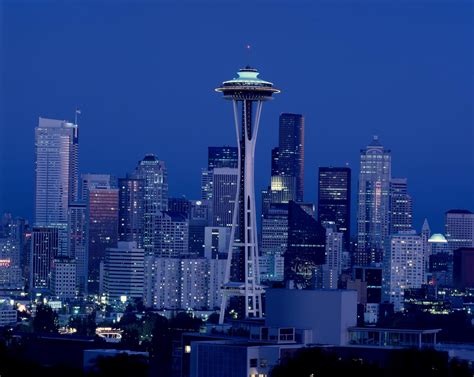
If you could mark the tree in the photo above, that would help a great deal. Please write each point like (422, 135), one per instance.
(45, 320)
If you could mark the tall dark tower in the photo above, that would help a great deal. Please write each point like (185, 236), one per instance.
(334, 199)
(247, 93)
(291, 150)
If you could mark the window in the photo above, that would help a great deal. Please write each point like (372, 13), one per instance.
(253, 363)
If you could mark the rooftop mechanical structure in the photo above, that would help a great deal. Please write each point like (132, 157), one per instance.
(247, 93)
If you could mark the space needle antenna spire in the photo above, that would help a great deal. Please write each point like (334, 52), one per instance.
(242, 280)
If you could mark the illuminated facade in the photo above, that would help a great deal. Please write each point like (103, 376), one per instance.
(373, 203)
(305, 254)
(154, 175)
(291, 151)
(334, 199)
(131, 210)
(403, 267)
(459, 225)
(79, 243)
(401, 208)
(44, 248)
(102, 209)
(247, 93)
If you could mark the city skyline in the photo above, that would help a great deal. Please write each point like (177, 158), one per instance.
(413, 128)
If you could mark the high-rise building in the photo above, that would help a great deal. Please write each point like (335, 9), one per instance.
(79, 243)
(403, 267)
(401, 209)
(162, 282)
(463, 266)
(216, 242)
(63, 278)
(56, 144)
(222, 157)
(91, 181)
(206, 184)
(223, 197)
(334, 199)
(181, 205)
(425, 236)
(103, 214)
(305, 252)
(459, 225)
(373, 205)
(10, 270)
(291, 150)
(154, 174)
(56, 180)
(242, 281)
(274, 242)
(170, 234)
(200, 217)
(124, 272)
(44, 248)
(183, 283)
(275, 162)
(332, 267)
(131, 210)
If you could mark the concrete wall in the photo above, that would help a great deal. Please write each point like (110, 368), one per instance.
(328, 313)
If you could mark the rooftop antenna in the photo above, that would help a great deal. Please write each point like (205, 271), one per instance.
(77, 112)
(248, 49)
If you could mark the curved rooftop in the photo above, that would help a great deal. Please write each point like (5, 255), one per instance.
(438, 238)
(247, 85)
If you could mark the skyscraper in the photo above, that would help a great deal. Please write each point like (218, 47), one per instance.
(90, 181)
(401, 209)
(334, 199)
(56, 143)
(291, 150)
(373, 204)
(459, 225)
(154, 174)
(124, 272)
(170, 234)
(247, 93)
(225, 181)
(79, 243)
(131, 210)
(305, 252)
(403, 266)
(274, 241)
(56, 181)
(44, 248)
(222, 157)
(217, 157)
(102, 209)
(199, 218)
(332, 267)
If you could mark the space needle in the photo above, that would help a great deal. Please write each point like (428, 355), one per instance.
(247, 93)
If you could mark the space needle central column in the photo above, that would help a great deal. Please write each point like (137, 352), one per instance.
(247, 93)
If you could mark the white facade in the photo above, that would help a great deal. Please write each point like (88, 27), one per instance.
(177, 283)
(170, 236)
(404, 266)
(64, 278)
(56, 144)
(459, 229)
(333, 267)
(123, 272)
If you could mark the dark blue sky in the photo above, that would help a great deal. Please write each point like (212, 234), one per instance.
(143, 74)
